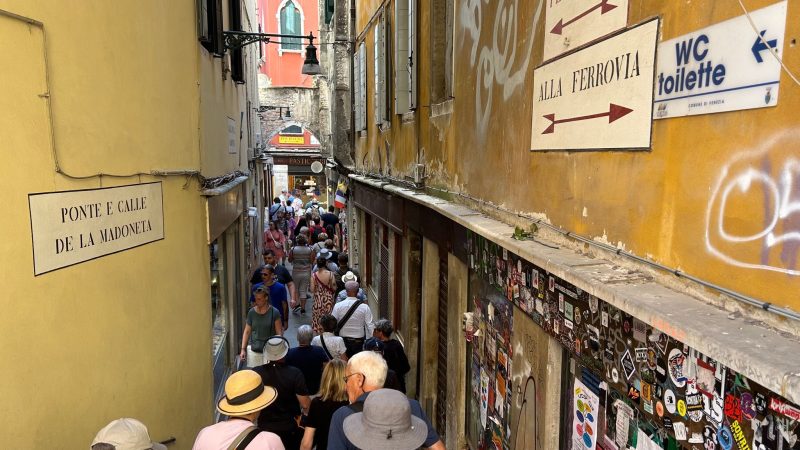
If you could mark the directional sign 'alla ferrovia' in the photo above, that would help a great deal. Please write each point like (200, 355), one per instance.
(725, 67)
(600, 97)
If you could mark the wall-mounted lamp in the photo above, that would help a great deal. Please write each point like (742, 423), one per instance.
(281, 109)
(238, 39)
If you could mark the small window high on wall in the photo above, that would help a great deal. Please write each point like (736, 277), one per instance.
(291, 22)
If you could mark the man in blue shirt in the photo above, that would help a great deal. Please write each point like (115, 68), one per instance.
(278, 296)
(366, 372)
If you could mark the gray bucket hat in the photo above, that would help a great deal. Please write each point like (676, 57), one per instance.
(386, 423)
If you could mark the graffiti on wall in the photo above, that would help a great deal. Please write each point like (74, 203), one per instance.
(654, 390)
(495, 56)
(753, 216)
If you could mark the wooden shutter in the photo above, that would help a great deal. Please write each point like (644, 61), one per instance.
(356, 83)
(412, 53)
(376, 57)
(441, 370)
(402, 74)
(362, 65)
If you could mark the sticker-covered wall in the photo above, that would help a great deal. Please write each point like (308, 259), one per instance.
(635, 385)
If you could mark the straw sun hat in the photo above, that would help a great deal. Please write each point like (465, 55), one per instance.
(245, 393)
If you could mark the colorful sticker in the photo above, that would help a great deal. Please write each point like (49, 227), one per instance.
(675, 364)
(669, 401)
(586, 411)
(681, 408)
(627, 364)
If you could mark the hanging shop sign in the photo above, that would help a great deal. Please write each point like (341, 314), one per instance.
(600, 97)
(295, 160)
(570, 24)
(725, 67)
(71, 227)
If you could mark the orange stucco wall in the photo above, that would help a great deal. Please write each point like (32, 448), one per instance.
(660, 204)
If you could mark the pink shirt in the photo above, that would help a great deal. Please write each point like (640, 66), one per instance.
(220, 436)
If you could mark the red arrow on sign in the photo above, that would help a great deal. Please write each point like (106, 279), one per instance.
(604, 8)
(614, 113)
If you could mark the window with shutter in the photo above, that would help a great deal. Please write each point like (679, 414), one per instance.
(402, 66)
(356, 93)
(412, 53)
(210, 25)
(376, 92)
(291, 22)
(386, 100)
(362, 64)
(236, 55)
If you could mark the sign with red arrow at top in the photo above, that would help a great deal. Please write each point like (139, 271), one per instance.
(572, 23)
(599, 97)
(604, 7)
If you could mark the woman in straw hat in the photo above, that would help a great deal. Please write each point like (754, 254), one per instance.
(245, 397)
(332, 396)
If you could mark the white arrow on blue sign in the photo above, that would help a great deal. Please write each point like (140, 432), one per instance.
(724, 67)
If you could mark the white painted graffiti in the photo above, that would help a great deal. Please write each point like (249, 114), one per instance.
(776, 226)
(496, 63)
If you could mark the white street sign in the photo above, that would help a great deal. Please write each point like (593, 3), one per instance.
(600, 97)
(572, 23)
(724, 67)
(71, 227)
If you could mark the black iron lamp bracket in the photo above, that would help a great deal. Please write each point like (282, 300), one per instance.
(238, 39)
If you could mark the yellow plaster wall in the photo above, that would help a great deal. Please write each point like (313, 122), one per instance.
(125, 334)
(220, 99)
(653, 204)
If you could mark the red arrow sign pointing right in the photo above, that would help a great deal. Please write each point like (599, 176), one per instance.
(615, 112)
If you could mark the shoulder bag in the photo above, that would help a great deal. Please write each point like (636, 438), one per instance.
(244, 439)
(325, 347)
(346, 317)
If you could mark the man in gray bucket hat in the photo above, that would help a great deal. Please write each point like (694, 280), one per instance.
(365, 374)
(386, 423)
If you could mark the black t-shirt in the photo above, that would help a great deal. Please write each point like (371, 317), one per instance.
(396, 359)
(281, 273)
(329, 219)
(310, 360)
(289, 382)
(319, 418)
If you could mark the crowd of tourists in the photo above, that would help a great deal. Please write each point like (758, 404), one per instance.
(343, 385)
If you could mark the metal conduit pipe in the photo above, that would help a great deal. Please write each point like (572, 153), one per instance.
(766, 306)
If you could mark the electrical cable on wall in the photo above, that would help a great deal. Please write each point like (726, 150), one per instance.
(764, 41)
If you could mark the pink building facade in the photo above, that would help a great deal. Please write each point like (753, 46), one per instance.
(283, 62)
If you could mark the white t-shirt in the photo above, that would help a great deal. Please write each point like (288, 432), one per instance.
(334, 343)
(220, 436)
(360, 323)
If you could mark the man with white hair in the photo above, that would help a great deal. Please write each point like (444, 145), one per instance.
(310, 359)
(366, 372)
(354, 319)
